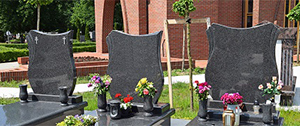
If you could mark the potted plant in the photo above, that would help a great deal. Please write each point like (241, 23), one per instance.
(125, 105)
(232, 102)
(147, 91)
(86, 120)
(272, 89)
(101, 86)
(202, 90)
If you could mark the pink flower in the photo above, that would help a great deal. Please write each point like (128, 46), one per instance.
(107, 82)
(260, 87)
(279, 87)
(94, 77)
(97, 81)
(90, 85)
(146, 92)
(280, 83)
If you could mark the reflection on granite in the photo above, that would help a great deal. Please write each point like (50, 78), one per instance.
(137, 119)
(34, 111)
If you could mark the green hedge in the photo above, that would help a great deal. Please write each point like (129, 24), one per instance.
(90, 48)
(11, 54)
(17, 46)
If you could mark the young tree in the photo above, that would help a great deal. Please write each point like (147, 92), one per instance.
(183, 8)
(294, 14)
(38, 4)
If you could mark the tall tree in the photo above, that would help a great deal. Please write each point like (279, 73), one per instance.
(38, 4)
(294, 14)
(183, 8)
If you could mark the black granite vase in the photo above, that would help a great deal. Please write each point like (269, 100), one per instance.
(148, 105)
(23, 93)
(126, 112)
(102, 102)
(115, 111)
(202, 112)
(267, 113)
(63, 97)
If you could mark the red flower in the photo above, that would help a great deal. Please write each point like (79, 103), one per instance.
(118, 95)
(146, 92)
(126, 100)
(197, 82)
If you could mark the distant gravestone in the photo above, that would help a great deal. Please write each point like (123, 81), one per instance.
(240, 59)
(132, 57)
(51, 63)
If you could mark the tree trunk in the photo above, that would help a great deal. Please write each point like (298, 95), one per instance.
(190, 58)
(183, 46)
(297, 41)
(38, 17)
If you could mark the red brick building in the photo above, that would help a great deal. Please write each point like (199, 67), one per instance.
(147, 16)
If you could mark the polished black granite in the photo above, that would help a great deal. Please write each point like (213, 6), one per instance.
(240, 59)
(37, 113)
(132, 57)
(51, 63)
(137, 119)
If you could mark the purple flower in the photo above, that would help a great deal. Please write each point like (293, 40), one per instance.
(81, 120)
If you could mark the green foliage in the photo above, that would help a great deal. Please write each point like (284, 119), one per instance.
(6, 101)
(291, 118)
(86, 33)
(90, 48)
(40, 2)
(14, 83)
(118, 18)
(17, 46)
(180, 7)
(294, 14)
(83, 13)
(179, 72)
(11, 54)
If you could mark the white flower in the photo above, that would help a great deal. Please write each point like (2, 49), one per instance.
(123, 106)
(269, 85)
(279, 87)
(274, 78)
(151, 86)
(260, 87)
(268, 102)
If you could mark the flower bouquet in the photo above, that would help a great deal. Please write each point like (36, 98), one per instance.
(202, 90)
(146, 90)
(272, 88)
(232, 102)
(86, 120)
(125, 105)
(101, 86)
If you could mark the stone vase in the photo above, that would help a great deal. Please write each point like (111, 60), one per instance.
(102, 102)
(115, 111)
(267, 113)
(23, 93)
(63, 97)
(236, 110)
(202, 112)
(126, 112)
(148, 105)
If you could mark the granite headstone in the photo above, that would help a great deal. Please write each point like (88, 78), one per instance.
(132, 57)
(240, 59)
(51, 63)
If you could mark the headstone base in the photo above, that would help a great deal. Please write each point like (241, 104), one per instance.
(54, 98)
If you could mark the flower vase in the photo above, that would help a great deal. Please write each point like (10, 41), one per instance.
(102, 102)
(202, 112)
(126, 112)
(267, 113)
(148, 105)
(236, 110)
(23, 93)
(63, 96)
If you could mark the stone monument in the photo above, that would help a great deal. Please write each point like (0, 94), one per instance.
(132, 58)
(51, 63)
(241, 59)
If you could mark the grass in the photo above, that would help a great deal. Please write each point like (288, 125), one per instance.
(181, 104)
(179, 72)
(296, 64)
(13, 83)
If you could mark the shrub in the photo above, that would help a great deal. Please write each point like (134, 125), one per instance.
(90, 48)
(11, 54)
(17, 46)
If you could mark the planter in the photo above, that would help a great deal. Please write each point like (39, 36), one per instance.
(23, 93)
(148, 106)
(236, 110)
(202, 112)
(63, 97)
(126, 112)
(115, 112)
(267, 113)
(102, 102)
